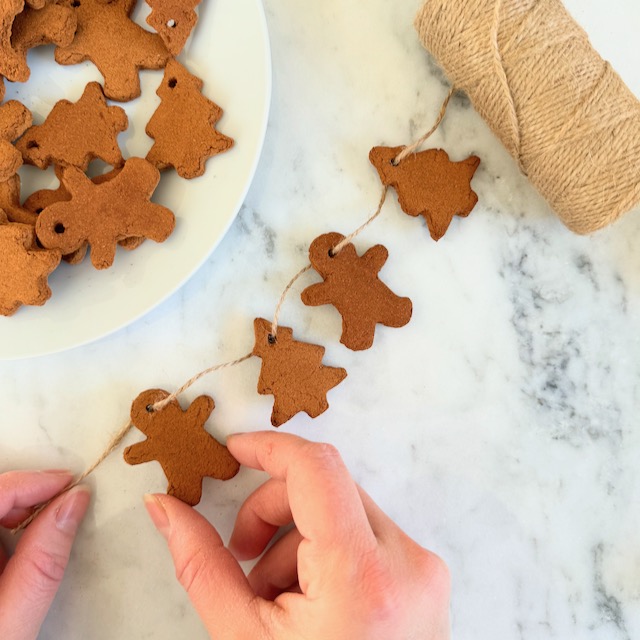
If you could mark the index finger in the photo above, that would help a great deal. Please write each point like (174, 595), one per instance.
(324, 498)
(21, 490)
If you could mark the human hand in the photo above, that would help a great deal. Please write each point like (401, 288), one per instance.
(345, 570)
(30, 579)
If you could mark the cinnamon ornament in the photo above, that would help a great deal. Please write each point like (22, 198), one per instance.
(49, 24)
(103, 214)
(174, 21)
(75, 133)
(38, 201)
(114, 43)
(351, 284)
(15, 119)
(10, 202)
(429, 184)
(293, 373)
(183, 125)
(178, 440)
(13, 65)
(24, 269)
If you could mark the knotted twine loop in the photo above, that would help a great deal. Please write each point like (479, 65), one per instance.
(565, 116)
(124, 431)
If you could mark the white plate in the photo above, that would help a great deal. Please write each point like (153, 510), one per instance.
(230, 52)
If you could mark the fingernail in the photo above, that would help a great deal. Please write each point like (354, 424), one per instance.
(157, 514)
(56, 472)
(74, 505)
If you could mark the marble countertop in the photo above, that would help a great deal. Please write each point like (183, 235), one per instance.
(499, 428)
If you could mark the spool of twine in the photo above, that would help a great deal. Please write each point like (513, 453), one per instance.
(562, 112)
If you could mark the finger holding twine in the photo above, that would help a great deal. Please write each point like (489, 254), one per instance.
(117, 439)
(111, 447)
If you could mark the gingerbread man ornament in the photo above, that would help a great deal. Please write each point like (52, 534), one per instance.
(178, 440)
(105, 214)
(351, 284)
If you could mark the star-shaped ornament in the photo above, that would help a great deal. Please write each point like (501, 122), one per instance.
(429, 184)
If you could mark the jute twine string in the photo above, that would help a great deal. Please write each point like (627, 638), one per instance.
(412, 148)
(111, 447)
(273, 336)
(163, 403)
(117, 439)
(561, 111)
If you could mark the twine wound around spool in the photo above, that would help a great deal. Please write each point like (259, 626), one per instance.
(562, 112)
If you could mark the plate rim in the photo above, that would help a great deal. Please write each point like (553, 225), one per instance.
(260, 140)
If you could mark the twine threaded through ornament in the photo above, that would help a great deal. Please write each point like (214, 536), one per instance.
(117, 439)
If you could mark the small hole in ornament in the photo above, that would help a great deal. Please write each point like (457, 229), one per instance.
(331, 253)
(393, 162)
(59, 228)
(173, 82)
(32, 144)
(171, 24)
(150, 408)
(272, 339)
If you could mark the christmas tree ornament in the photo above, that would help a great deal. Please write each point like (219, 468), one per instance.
(293, 373)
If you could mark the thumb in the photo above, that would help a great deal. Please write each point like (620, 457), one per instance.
(211, 576)
(32, 577)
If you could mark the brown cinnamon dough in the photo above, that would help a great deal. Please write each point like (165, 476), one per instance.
(15, 119)
(174, 21)
(183, 125)
(38, 201)
(293, 373)
(50, 24)
(103, 214)
(22, 28)
(178, 440)
(24, 269)
(10, 202)
(114, 43)
(429, 184)
(75, 133)
(351, 284)
(13, 64)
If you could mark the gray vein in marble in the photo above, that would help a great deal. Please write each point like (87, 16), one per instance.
(607, 604)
